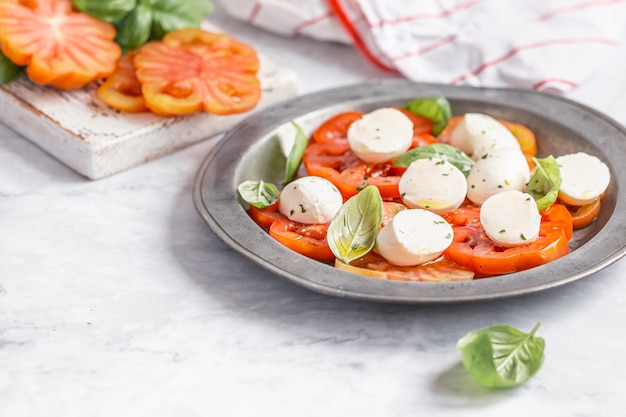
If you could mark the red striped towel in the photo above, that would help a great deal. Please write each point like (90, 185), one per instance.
(548, 45)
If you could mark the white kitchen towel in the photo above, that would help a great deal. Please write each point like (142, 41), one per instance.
(547, 45)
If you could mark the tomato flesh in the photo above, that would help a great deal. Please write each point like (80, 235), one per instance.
(122, 89)
(192, 70)
(306, 239)
(60, 47)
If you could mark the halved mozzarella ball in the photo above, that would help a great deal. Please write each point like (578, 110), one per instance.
(585, 178)
(511, 218)
(433, 184)
(498, 171)
(310, 200)
(381, 135)
(479, 134)
(413, 237)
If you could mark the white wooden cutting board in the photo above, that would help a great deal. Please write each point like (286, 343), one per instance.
(80, 130)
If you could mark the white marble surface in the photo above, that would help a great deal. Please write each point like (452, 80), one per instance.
(117, 300)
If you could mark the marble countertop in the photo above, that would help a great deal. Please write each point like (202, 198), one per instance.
(117, 300)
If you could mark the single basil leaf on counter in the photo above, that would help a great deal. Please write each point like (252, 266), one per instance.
(545, 182)
(109, 11)
(259, 194)
(134, 30)
(352, 232)
(295, 154)
(436, 109)
(168, 15)
(8, 70)
(501, 356)
(440, 151)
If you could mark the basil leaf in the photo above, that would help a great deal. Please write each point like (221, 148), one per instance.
(138, 21)
(134, 29)
(501, 356)
(436, 109)
(8, 69)
(295, 154)
(352, 232)
(168, 15)
(259, 194)
(109, 11)
(545, 182)
(439, 151)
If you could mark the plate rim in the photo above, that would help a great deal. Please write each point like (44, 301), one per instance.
(450, 292)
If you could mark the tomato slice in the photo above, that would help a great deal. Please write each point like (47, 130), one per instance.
(192, 70)
(306, 239)
(525, 137)
(583, 216)
(59, 46)
(122, 89)
(375, 266)
(421, 125)
(264, 217)
(472, 248)
(336, 128)
(339, 165)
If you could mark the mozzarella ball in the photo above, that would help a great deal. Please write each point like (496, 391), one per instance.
(381, 135)
(479, 134)
(413, 237)
(433, 184)
(585, 178)
(511, 218)
(310, 200)
(498, 171)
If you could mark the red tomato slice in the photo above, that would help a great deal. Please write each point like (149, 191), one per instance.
(59, 46)
(472, 248)
(122, 89)
(265, 217)
(336, 128)
(422, 126)
(375, 266)
(339, 165)
(192, 70)
(306, 239)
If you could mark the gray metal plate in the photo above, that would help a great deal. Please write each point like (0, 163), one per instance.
(251, 151)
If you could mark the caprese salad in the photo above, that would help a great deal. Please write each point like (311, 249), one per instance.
(414, 193)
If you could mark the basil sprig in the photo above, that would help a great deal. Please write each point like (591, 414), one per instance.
(352, 232)
(436, 109)
(259, 194)
(139, 21)
(545, 182)
(501, 356)
(295, 154)
(8, 70)
(439, 151)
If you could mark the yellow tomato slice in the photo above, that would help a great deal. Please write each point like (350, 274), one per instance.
(375, 266)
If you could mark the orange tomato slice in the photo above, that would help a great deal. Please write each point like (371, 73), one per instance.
(192, 70)
(60, 47)
(583, 216)
(122, 89)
